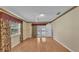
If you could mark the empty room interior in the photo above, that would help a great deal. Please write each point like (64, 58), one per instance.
(39, 29)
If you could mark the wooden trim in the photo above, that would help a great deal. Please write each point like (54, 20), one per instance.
(15, 16)
(7, 12)
(0, 32)
(12, 15)
(21, 30)
(39, 23)
(10, 18)
(63, 14)
(69, 50)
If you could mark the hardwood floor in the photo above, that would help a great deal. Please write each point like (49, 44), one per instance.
(39, 45)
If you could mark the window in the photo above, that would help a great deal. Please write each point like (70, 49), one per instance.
(41, 31)
(15, 28)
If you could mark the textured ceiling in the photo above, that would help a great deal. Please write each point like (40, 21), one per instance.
(37, 13)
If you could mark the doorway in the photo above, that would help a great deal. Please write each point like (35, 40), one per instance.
(38, 31)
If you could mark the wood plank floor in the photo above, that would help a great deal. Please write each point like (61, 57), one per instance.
(39, 45)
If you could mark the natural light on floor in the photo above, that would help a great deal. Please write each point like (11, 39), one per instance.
(43, 39)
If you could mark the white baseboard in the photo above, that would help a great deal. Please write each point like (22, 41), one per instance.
(63, 45)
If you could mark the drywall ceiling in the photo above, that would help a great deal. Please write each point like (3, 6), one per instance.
(37, 13)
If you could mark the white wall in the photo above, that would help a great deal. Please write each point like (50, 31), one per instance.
(49, 31)
(27, 30)
(66, 30)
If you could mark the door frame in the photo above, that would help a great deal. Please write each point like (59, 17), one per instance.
(21, 30)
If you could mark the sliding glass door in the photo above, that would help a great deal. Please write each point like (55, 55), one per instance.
(41, 31)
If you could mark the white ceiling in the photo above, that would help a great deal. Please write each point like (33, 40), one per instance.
(32, 13)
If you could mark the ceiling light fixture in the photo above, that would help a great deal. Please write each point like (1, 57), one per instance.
(42, 15)
(39, 16)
